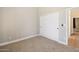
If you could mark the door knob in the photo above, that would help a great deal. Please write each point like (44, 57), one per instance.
(57, 28)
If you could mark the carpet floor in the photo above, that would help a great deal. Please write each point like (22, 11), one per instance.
(37, 44)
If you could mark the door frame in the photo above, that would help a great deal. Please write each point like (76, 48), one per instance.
(68, 24)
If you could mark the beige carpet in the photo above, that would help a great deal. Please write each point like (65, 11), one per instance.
(37, 44)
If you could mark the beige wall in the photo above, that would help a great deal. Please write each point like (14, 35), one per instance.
(38, 21)
(75, 12)
(0, 25)
(18, 23)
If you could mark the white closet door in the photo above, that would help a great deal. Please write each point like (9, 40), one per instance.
(53, 26)
(49, 26)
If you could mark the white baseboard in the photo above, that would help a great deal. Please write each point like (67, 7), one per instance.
(61, 42)
(52, 39)
(17, 40)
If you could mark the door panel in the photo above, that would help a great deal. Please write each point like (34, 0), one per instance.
(49, 25)
(62, 26)
(53, 26)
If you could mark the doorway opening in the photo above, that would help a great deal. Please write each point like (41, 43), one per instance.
(74, 28)
(75, 24)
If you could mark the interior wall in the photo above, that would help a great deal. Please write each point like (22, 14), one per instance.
(18, 23)
(77, 25)
(38, 21)
(0, 25)
(75, 12)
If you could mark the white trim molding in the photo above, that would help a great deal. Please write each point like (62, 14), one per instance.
(53, 39)
(17, 40)
(25, 38)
